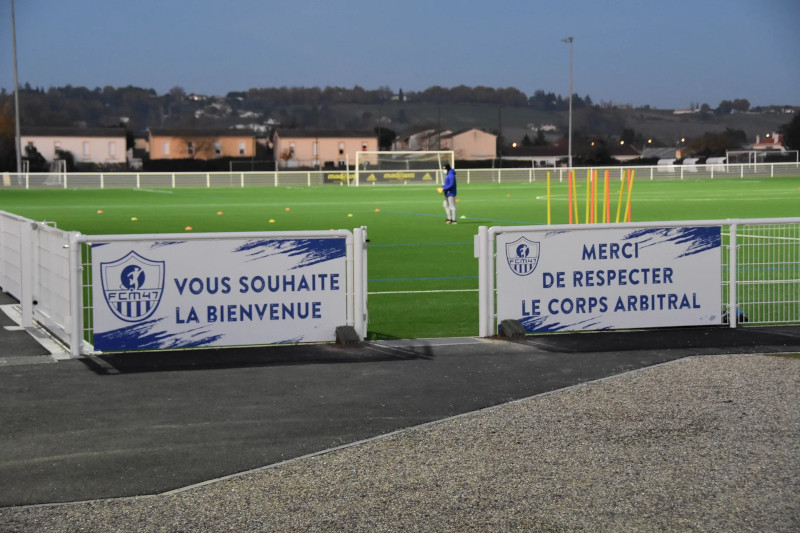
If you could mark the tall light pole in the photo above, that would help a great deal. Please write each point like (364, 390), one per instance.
(569, 148)
(16, 92)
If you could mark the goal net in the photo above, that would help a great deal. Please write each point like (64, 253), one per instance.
(752, 157)
(57, 174)
(423, 167)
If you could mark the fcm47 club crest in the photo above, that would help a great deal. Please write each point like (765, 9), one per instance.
(132, 286)
(522, 256)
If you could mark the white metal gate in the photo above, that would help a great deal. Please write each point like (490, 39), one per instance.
(760, 268)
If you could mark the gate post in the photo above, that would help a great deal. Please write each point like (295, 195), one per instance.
(732, 303)
(484, 281)
(26, 268)
(75, 296)
(360, 279)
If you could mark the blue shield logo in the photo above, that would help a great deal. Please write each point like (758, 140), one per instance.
(132, 286)
(522, 256)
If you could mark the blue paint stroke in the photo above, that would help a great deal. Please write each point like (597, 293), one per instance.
(295, 340)
(540, 324)
(143, 337)
(159, 244)
(694, 240)
(310, 251)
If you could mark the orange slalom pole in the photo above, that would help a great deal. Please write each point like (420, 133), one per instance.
(588, 193)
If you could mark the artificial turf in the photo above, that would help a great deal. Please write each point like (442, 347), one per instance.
(422, 274)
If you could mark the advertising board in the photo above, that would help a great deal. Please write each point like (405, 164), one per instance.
(610, 278)
(217, 292)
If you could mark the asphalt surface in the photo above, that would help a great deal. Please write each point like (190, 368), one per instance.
(146, 423)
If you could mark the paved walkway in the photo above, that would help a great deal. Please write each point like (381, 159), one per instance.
(136, 424)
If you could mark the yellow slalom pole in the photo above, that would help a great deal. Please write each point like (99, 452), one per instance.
(606, 212)
(619, 202)
(588, 192)
(569, 195)
(630, 189)
(548, 197)
(575, 197)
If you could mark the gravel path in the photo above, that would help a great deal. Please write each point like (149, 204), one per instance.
(701, 444)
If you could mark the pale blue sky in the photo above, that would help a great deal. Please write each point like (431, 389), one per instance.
(663, 53)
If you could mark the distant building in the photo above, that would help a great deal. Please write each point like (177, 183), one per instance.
(539, 156)
(468, 145)
(103, 146)
(660, 153)
(772, 141)
(550, 128)
(471, 144)
(623, 152)
(421, 140)
(200, 144)
(759, 151)
(550, 155)
(315, 149)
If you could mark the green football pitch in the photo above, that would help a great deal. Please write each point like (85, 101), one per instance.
(422, 278)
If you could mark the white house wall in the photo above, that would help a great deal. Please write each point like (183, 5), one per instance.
(83, 149)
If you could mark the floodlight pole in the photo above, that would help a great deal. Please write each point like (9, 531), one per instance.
(16, 93)
(569, 148)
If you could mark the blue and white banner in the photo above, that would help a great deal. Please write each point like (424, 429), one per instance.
(610, 279)
(217, 292)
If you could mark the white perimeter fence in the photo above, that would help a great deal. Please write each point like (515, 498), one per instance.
(146, 180)
(609, 276)
(184, 291)
(750, 268)
(35, 269)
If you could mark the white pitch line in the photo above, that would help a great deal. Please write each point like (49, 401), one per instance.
(423, 292)
(158, 191)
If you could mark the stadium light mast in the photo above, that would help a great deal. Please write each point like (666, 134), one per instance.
(569, 147)
(16, 93)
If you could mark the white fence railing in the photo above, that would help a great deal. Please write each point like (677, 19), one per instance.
(144, 180)
(760, 268)
(50, 272)
(34, 269)
(723, 171)
(44, 268)
(765, 285)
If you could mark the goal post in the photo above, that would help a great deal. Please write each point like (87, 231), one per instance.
(754, 157)
(405, 167)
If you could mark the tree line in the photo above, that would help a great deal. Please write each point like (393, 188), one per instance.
(144, 108)
(138, 109)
